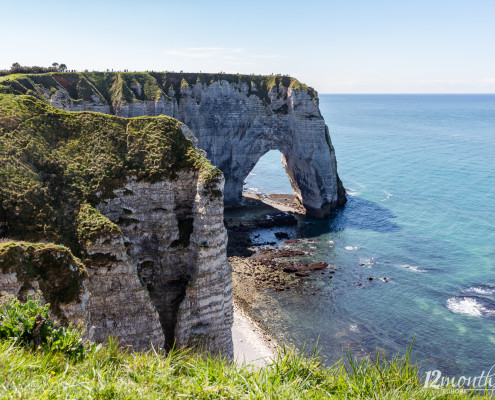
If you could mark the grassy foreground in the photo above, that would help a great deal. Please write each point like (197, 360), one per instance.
(109, 373)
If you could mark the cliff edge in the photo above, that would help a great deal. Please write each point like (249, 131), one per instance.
(136, 213)
(235, 118)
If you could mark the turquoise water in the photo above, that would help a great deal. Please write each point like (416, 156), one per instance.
(420, 171)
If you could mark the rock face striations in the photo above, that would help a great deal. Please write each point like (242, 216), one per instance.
(134, 208)
(235, 118)
(137, 215)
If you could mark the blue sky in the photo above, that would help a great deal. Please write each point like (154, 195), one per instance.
(336, 46)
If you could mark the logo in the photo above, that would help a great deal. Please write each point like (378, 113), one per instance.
(483, 382)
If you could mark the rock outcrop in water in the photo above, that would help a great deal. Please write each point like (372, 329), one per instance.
(137, 215)
(235, 118)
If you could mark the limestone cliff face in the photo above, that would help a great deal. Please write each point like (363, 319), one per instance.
(137, 215)
(119, 305)
(235, 118)
(175, 234)
(236, 129)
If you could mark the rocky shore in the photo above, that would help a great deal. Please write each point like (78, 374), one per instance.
(281, 265)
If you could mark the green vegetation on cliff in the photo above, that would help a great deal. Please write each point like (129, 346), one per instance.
(55, 164)
(91, 224)
(29, 324)
(59, 274)
(115, 88)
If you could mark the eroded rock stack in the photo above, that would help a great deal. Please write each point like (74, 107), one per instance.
(137, 215)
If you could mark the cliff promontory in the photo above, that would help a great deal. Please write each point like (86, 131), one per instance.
(235, 118)
(136, 215)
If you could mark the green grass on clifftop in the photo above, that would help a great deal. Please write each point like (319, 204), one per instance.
(114, 88)
(108, 373)
(53, 164)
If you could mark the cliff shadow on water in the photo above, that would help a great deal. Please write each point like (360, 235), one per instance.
(262, 216)
(358, 214)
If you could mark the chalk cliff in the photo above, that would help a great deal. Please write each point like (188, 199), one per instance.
(136, 213)
(235, 118)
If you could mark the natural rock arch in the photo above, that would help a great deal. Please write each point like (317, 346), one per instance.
(236, 130)
(268, 175)
(235, 118)
(300, 135)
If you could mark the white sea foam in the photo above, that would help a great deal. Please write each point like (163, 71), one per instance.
(412, 268)
(331, 242)
(467, 305)
(352, 192)
(387, 194)
(351, 248)
(353, 328)
(252, 189)
(367, 262)
(482, 290)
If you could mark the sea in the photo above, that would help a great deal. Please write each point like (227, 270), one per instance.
(419, 171)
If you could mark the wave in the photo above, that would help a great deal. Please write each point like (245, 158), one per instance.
(252, 189)
(469, 305)
(351, 248)
(351, 192)
(388, 195)
(367, 262)
(413, 268)
(485, 290)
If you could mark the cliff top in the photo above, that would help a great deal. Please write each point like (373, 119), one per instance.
(54, 165)
(59, 274)
(112, 87)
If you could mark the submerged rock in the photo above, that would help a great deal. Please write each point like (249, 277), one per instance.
(319, 265)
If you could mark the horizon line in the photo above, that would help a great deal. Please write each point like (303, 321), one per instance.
(410, 94)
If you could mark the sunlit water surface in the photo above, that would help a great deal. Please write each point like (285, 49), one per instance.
(420, 171)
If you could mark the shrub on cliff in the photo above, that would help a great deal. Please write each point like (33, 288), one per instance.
(29, 324)
(17, 68)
